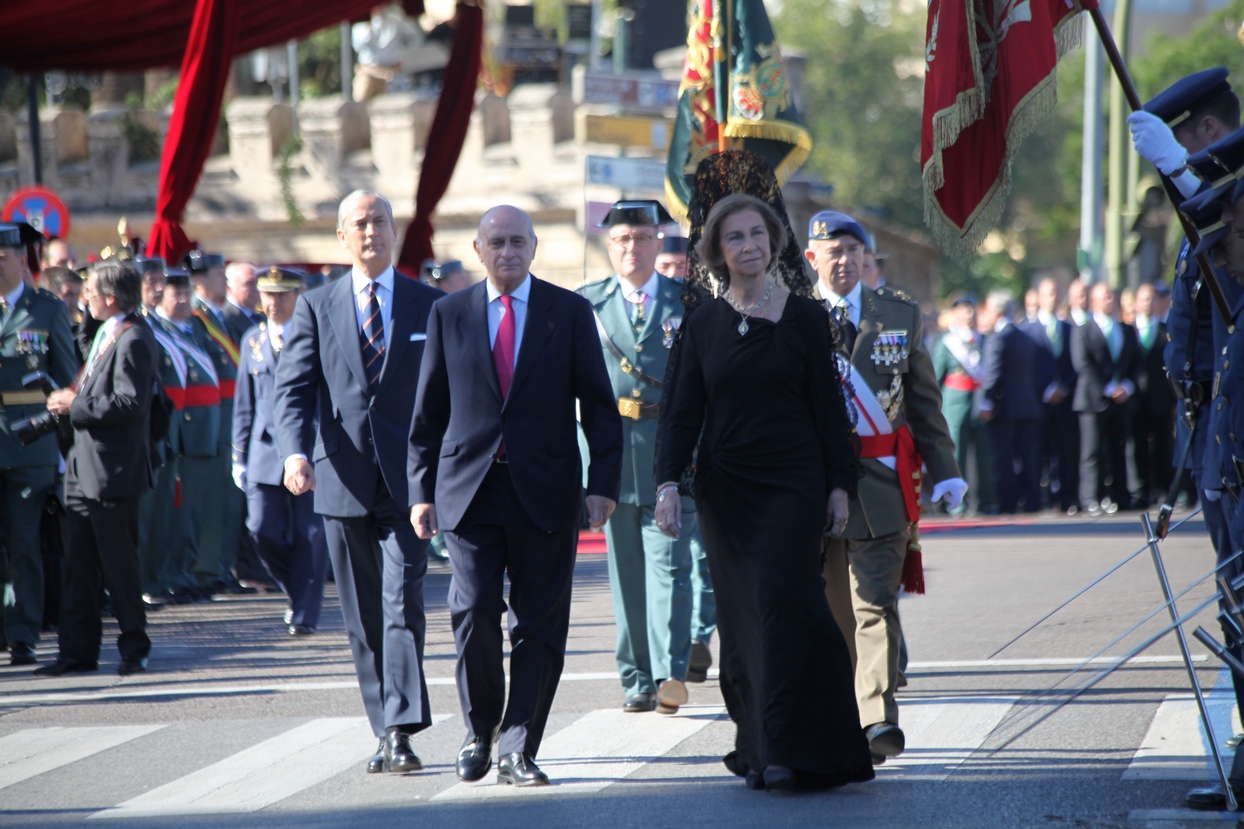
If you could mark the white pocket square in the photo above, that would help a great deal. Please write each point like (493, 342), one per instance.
(418, 337)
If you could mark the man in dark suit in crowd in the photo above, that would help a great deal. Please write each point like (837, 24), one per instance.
(108, 469)
(345, 393)
(1107, 360)
(1060, 434)
(242, 297)
(494, 461)
(287, 534)
(1153, 425)
(1011, 408)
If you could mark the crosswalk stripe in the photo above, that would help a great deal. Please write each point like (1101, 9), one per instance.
(29, 753)
(1176, 747)
(597, 750)
(941, 733)
(260, 775)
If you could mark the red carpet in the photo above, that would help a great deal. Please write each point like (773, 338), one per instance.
(591, 544)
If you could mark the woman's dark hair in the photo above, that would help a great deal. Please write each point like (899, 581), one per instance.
(121, 280)
(709, 247)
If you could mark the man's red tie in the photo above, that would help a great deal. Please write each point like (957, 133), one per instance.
(503, 353)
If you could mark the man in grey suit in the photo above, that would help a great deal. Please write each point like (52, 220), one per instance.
(345, 396)
(108, 469)
(637, 313)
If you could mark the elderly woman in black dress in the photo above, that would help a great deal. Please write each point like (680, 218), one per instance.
(757, 390)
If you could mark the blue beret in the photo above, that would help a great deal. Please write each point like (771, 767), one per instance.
(829, 224)
(1188, 96)
(1204, 211)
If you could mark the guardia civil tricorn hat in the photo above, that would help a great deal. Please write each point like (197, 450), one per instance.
(639, 212)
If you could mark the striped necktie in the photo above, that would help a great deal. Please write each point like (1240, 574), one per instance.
(372, 338)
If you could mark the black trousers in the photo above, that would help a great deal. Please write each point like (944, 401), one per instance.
(1017, 459)
(22, 493)
(289, 538)
(103, 546)
(1153, 443)
(497, 538)
(1103, 455)
(1061, 448)
(379, 564)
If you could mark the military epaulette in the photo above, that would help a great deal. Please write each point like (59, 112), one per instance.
(46, 294)
(896, 295)
(584, 286)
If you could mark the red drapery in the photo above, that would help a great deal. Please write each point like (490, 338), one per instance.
(204, 73)
(449, 128)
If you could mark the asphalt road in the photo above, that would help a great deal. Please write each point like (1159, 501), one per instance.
(239, 725)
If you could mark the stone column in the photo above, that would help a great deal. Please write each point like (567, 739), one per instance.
(258, 129)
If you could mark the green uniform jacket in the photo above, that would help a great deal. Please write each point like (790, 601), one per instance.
(648, 352)
(956, 403)
(226, 363)
(911, 385)
(35, 337)
(198, 434)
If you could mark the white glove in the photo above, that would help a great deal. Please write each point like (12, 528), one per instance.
(952, 490)
(1212, 494)
(239, 475)
(1155, 142)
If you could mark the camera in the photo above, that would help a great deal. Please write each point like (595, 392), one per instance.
(29, 429)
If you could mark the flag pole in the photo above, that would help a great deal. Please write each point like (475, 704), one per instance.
(1133, 100)
(721, 70)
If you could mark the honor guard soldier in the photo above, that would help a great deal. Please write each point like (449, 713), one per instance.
(638, 312)
(34, 339)
(672, 263)
(1211, 213)
(218, 550)
(198, 435)
(960, 370)
(287, 533)
(889, 381)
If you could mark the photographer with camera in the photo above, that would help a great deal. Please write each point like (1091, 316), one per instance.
(34, 337)
(107, 471)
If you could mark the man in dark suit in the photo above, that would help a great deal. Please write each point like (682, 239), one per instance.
(1107, 361)
(108, 469)
(1153, 425)
(1011, 408)
(288, 535)
(494, 461)
(1056, 380)
(345, 394)
(241, 300)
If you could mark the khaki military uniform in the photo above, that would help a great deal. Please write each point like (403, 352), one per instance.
(863, 568)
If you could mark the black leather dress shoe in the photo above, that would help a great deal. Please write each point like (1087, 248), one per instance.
(885, 739)
(151, 603)
(520, 770)
(1210, 799)
(779, 779)
(474, 758)
(61, 667)
(22, 653)
(301, 630)
(754, 781)
(399, 757)
(701, 661)
(376, 764)
(130, 665)
(639, 703)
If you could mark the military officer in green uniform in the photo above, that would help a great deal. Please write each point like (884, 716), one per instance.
(637, 312)
(198, 435)
(893, 396)
(957, 364)
(34, 337)
(218, 549)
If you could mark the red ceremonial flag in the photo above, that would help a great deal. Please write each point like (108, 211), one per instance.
(990, 79)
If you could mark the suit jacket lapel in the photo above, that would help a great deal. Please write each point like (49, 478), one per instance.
(537, 328)
(345, 325)
(473, 330)
(401, 321)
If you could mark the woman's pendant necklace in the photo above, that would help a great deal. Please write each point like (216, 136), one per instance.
(751, 309)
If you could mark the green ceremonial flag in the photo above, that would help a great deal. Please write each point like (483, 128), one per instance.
(761, 116)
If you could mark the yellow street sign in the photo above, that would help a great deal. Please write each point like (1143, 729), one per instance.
(622, 130)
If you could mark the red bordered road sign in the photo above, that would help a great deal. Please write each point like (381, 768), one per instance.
(42, 208)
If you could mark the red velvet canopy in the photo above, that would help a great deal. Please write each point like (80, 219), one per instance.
(203, 36)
